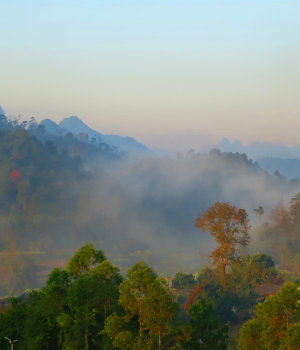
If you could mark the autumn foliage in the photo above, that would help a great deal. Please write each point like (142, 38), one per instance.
(192, 297)
(229, 226)
(15, 175)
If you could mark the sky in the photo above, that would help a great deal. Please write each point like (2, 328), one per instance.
(169, 73)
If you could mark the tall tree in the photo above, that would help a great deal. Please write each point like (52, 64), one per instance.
(160, 309)
(260, 212)
(134, 290)
(109, 278)
(229, 226)
(147, 302)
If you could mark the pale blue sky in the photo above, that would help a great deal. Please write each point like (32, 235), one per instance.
(148, 68)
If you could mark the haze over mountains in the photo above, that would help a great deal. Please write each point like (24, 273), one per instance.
(76, 126)
(271, 157)
(257, 150)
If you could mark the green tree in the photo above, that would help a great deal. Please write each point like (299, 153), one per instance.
(203, 330)
(85, 258)
(259, 269)
(159, 310)
(183, 281)
(291, 340)
(149, 310)
(109, 278)
(90, 298)
(274, 324)
(134, 289)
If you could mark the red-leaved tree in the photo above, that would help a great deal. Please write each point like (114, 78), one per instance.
(15, 175)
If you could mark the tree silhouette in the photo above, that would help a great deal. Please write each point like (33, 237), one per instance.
(260, 212)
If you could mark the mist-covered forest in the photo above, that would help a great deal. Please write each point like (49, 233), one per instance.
(59, 193)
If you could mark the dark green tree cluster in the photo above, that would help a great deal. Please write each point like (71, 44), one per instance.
(89, 305)
(183, 281)
(70, 311)
(234, 297)
(203, 330)
(148, 310)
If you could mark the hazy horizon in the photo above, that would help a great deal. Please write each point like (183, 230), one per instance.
(163, 72)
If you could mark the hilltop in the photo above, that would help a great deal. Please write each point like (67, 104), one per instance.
(76, 126)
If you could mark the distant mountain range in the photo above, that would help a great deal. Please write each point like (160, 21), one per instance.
(289, 168)
(256, 149)
(76, 126)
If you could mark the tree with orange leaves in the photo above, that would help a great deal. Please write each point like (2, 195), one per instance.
(15, 175)
(229, 226)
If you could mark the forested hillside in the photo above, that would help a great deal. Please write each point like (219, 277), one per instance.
(93, 151)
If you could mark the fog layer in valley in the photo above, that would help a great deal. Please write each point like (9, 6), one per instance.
(55, 201)
(153, 204)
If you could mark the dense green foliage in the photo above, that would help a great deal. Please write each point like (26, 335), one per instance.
(88, 305)
(183, 281)
(69, 312)
(234, 297)
(276, 322)
(203, 330)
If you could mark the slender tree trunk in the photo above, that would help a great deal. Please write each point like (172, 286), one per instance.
(140, 315)
(159, 340)
(281, 255)
(86, 345)
(105, 311)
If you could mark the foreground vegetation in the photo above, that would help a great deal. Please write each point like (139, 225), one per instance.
(89, 305)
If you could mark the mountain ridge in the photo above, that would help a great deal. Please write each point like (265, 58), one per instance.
(76, 126)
